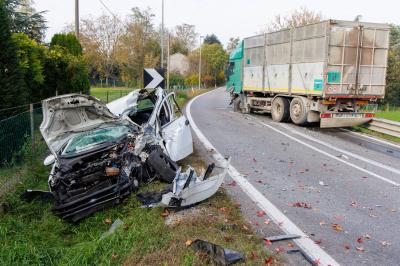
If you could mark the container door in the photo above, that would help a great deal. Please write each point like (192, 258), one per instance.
(357, 60)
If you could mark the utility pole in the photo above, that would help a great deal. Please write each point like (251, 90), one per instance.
(168, 60)
(162, 34)
(77, 19)
(200, 64)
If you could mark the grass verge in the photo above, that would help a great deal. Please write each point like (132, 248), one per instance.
(113, 93)
(375, 134)
(391, 115)
(31, 235)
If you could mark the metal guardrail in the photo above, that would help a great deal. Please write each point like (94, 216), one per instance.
(385, 126)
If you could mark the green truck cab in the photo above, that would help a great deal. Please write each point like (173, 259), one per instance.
(234, 82)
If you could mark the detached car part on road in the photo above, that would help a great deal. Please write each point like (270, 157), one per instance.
(100, 154)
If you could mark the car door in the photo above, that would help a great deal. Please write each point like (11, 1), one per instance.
(175, 129)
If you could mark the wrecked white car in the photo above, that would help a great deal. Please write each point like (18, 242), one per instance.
(101, 153)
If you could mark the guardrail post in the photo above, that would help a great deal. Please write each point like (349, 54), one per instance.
(32, 125)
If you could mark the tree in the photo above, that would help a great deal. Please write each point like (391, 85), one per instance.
(30, 55)
(139, 46)
(99, 38)
(298, 17)
(12, 85)
(393, 70)
(232, 44)
(211, 39)
(24, 18)
(68, 41)
(184, 38)
(65, 73)
(214, 58)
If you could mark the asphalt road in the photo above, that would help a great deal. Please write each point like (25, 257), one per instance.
(338, 187)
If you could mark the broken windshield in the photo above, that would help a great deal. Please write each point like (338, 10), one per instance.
(95, 137)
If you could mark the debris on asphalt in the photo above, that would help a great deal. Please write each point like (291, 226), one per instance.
(305, 255)
(337, 227)
(116, 224)
(220, 255)
(301, 205)
(343, 156)
(281, 237)
(385, 243)
(321, 183)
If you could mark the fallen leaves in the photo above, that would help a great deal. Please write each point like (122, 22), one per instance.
(108, 221)
(269, 260)
(261, 213)
(290, 245)
(253, 256)
(361, 249)
(360, 240)
(280, 249)
(301, 205)
(165, 213)
(321, 223)
(372, 215)
(367, 236)
(188, 242)
(337, 227)
(267, 221)
(232, 184)
(319, 241)
(346, 246)
(384, 243)
(267, 242)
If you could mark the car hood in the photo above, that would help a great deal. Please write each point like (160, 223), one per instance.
(68, 115)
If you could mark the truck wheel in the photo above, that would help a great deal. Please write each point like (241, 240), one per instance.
(298, 112)
(280, 109)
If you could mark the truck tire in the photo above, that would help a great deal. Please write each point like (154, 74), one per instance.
(280, 109)
(298, 112)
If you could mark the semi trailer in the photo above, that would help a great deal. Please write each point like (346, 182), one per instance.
(323, 72)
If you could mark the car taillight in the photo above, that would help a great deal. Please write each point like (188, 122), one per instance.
(369, 115)
(326, 115)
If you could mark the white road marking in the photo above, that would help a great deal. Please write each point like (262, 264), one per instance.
(359, 157)
(328, 154)
(305, 243)
(372, 138)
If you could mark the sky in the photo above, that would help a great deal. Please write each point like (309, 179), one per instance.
(225, 18)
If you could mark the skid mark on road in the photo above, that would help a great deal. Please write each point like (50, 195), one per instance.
(305, 243)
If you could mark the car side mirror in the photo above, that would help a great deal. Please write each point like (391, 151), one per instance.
(49, 160)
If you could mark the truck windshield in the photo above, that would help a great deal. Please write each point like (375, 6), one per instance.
(90, 139)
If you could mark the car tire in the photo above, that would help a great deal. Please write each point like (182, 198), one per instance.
(280, 109)
(298, 111)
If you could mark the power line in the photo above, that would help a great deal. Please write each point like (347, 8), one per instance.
(106, 7)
